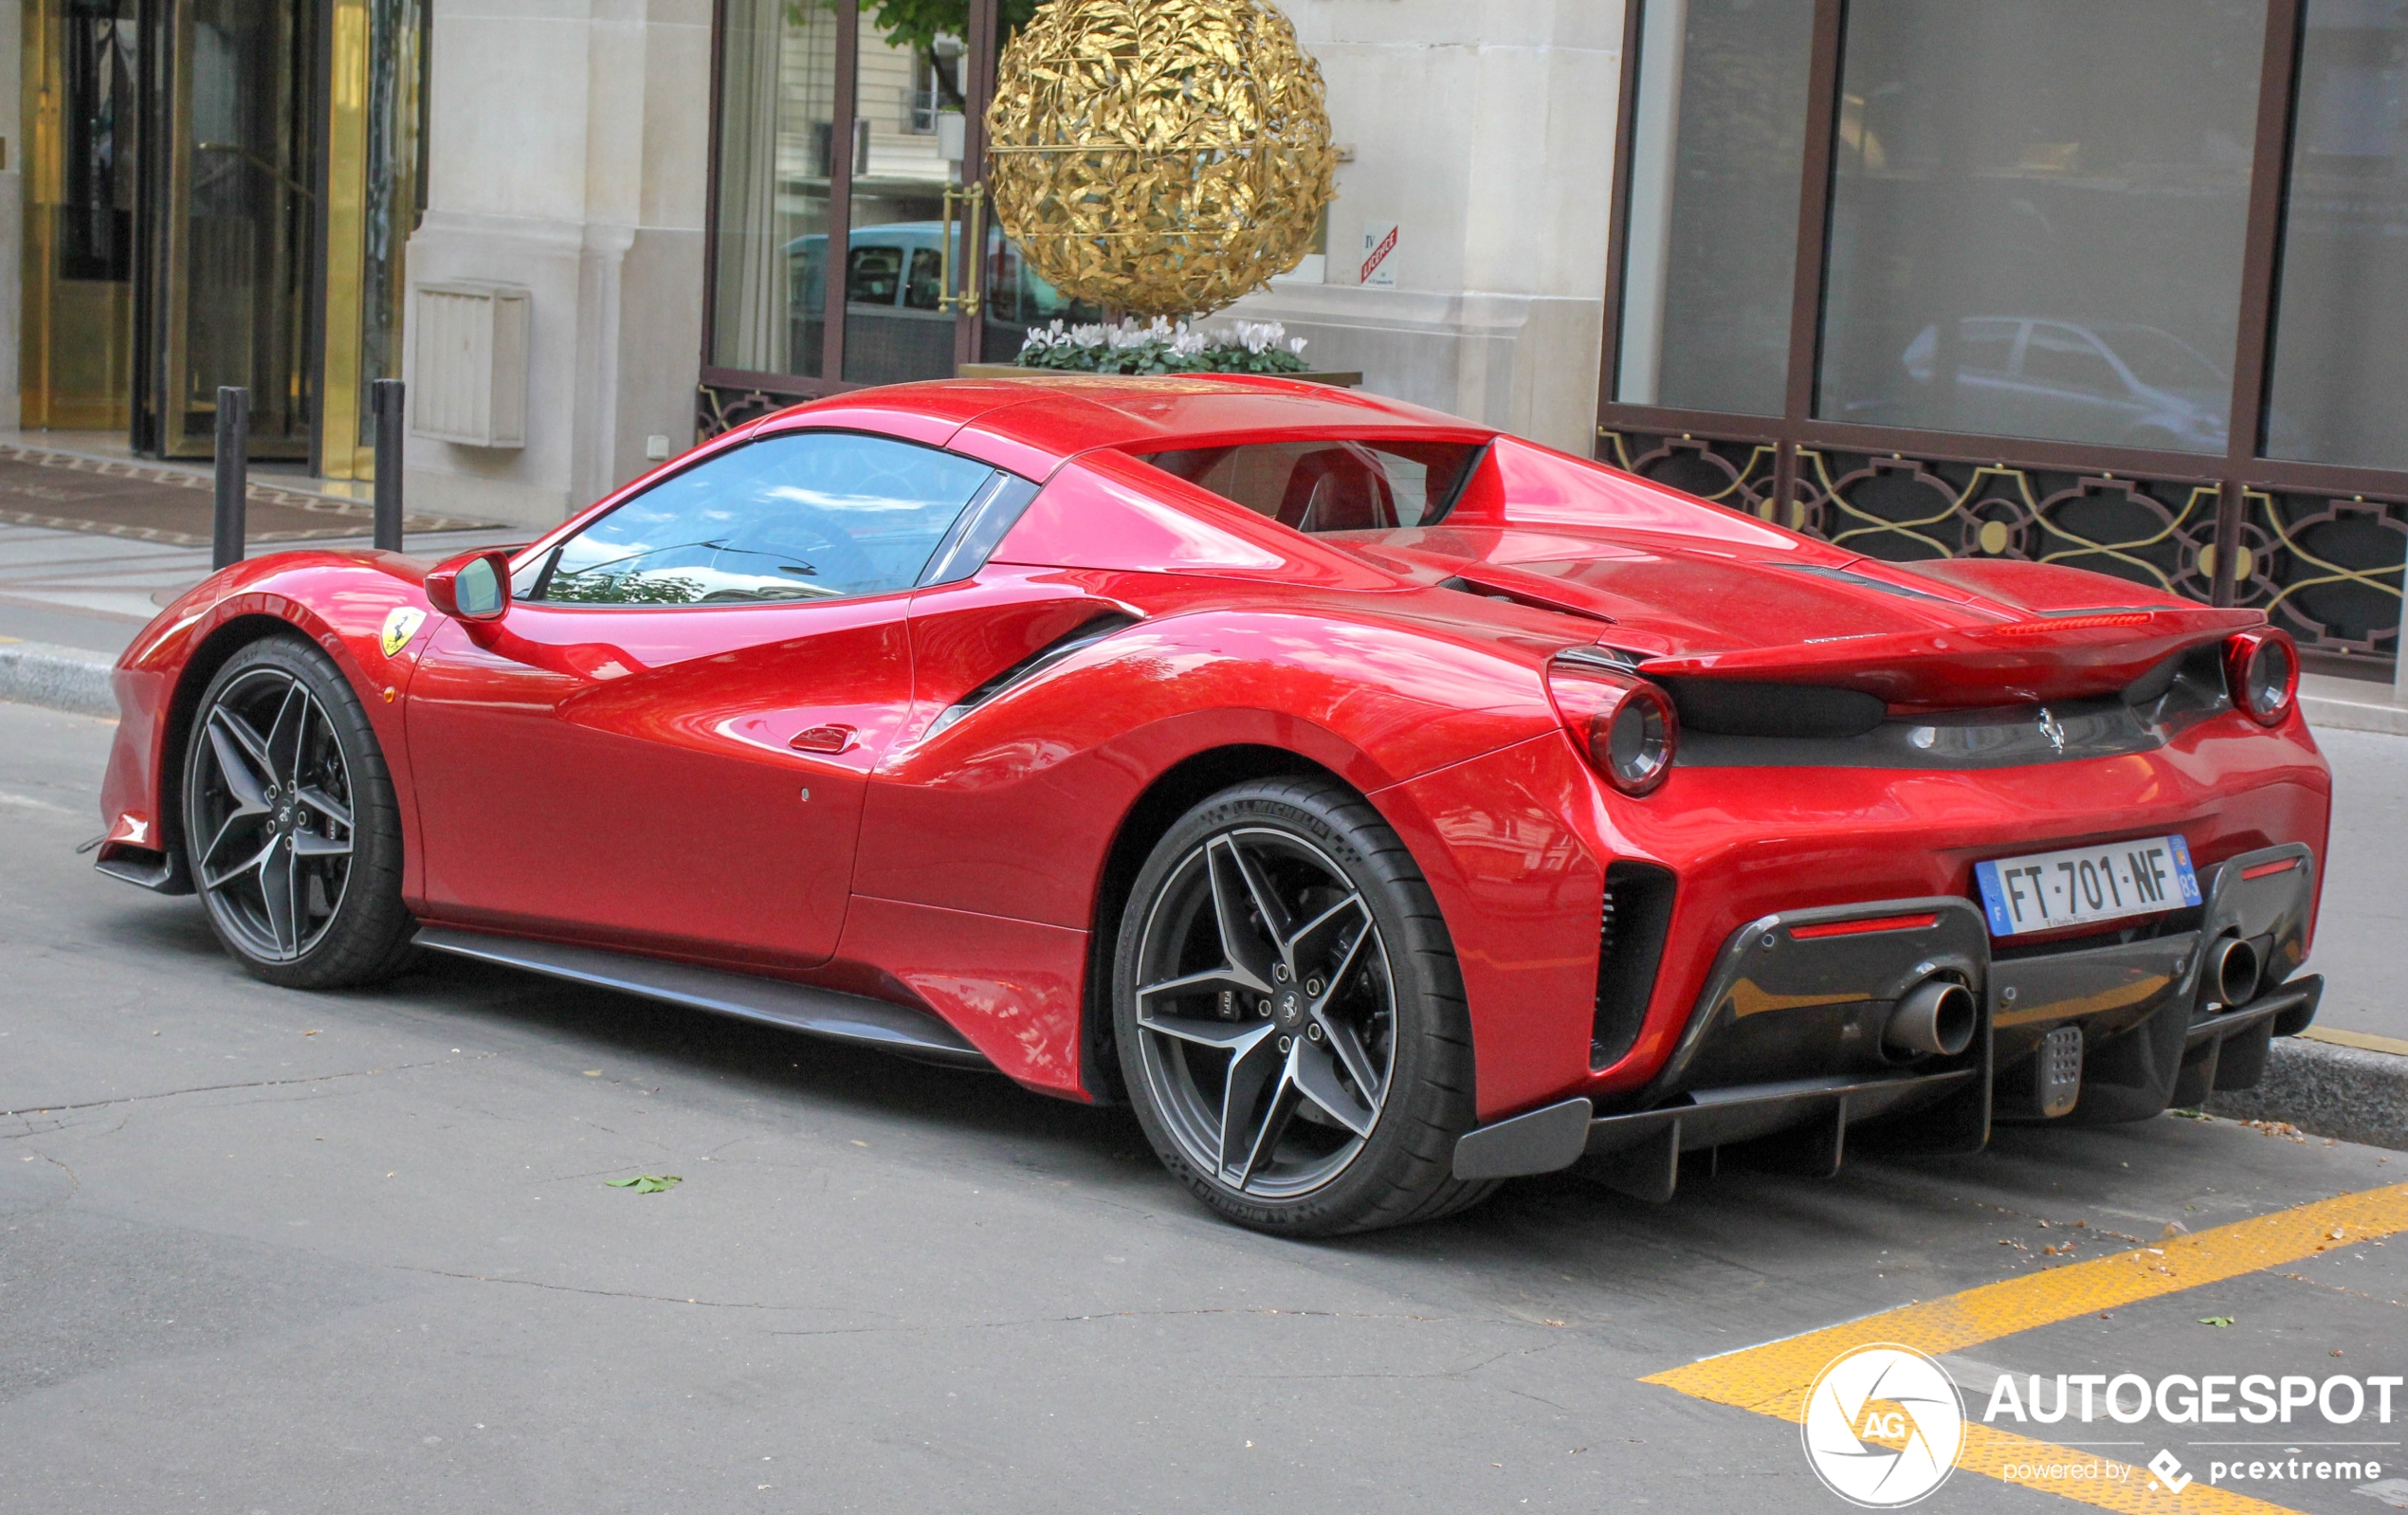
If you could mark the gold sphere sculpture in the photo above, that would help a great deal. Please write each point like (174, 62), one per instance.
(1162, 156)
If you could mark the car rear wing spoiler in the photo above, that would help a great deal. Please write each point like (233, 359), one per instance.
(2066, 655)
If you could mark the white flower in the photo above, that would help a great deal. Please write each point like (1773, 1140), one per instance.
(1296, 345)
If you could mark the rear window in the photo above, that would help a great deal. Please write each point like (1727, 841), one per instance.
(1331, 485)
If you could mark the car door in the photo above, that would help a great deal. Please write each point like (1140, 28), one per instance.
(663, 744)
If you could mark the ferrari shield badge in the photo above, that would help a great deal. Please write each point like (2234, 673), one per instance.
(401, 624)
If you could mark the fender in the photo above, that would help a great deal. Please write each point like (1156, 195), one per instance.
(339, 600)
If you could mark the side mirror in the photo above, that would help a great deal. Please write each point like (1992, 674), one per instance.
(474, 586)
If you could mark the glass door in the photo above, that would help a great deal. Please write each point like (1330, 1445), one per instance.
(849, 239)
(230, 223)
(81, 67)
(376, 191)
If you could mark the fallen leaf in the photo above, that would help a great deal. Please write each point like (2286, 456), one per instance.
(646, 1183)
(2219, 1321)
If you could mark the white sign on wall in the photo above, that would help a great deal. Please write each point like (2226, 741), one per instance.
(1379, 254)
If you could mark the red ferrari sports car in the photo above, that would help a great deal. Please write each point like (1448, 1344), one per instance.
(1382, 806)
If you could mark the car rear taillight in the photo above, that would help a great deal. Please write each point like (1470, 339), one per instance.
(2261, 669)
(1624, 725)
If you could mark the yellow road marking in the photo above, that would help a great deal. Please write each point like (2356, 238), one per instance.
(1771, 1379)
(2362, 1040)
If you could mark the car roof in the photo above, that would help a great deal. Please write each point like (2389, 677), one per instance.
(1032, 425)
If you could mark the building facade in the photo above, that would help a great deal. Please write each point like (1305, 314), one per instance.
(2111, 285)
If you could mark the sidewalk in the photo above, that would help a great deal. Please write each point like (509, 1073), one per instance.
(2352, 704)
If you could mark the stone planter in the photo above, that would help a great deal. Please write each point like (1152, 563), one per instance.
(1014, 371)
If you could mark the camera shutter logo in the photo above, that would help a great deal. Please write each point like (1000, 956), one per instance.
(1882, 1426)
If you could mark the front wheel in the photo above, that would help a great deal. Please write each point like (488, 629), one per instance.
(1289, 1017)
(290, 824)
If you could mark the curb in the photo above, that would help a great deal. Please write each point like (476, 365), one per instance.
(63, 678)
(2327, 714)
(2328, 1090)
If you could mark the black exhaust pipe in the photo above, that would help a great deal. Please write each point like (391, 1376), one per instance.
(1936, 1017)
(2237, 971)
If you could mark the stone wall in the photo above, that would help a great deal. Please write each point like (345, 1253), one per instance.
(1484, 130)
(568, 154)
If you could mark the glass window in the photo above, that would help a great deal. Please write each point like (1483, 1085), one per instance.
(777, 112)
(1330, 485)
(1713, 207)
(2078, 171)
(805, 516)
(897, 209)
(2340, 390)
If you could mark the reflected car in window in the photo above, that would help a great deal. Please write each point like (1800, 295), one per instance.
(895, 330)
(2116, 383)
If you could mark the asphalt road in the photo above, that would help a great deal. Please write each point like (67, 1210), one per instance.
(264, 1250)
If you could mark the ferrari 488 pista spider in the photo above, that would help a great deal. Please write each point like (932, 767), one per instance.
(1382, 806)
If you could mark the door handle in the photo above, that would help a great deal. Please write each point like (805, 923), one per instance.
(972, 220)
(823, 738)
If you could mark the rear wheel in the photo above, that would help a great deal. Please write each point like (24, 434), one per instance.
(289, 822)
(1289, 1017)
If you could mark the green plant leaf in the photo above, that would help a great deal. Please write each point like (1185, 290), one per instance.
(2219, 1321)
(646, 1183)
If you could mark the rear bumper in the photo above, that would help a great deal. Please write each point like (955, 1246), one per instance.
(1786, 1040)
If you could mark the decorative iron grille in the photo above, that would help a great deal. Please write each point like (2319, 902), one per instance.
(2325, 568)
(718, 408)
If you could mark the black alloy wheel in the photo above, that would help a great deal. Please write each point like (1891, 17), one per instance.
(1289, 1015)
(289, 822)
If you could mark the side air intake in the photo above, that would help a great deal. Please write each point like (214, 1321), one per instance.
(1636, 916)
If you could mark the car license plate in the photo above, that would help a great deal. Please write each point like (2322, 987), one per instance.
(2048, 891)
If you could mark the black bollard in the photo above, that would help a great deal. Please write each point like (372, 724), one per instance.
(385, 401)
(233, 475)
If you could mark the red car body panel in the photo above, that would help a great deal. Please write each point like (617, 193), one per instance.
(627, 777)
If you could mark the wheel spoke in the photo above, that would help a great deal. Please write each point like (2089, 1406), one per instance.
(254, 746)
(1233, 891)
(284, 736)
(1258, 1066)
(242, 761)
(1315, 1073)
(276, 891)
(1308, 940)
(326, 805)
(1232, 979)
(1277, 1113)
(1234, 1037)
(1347, 1046)
(1259, 889)
(240, 820)
(226, 876)
(309, 844)
(1343, 1040)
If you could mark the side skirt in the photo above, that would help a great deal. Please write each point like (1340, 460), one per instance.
(825, 1013)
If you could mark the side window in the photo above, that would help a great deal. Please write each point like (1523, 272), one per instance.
(922, 289)
(801, 516)
(2065, 357)
(873, 275)
(1331, 485)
